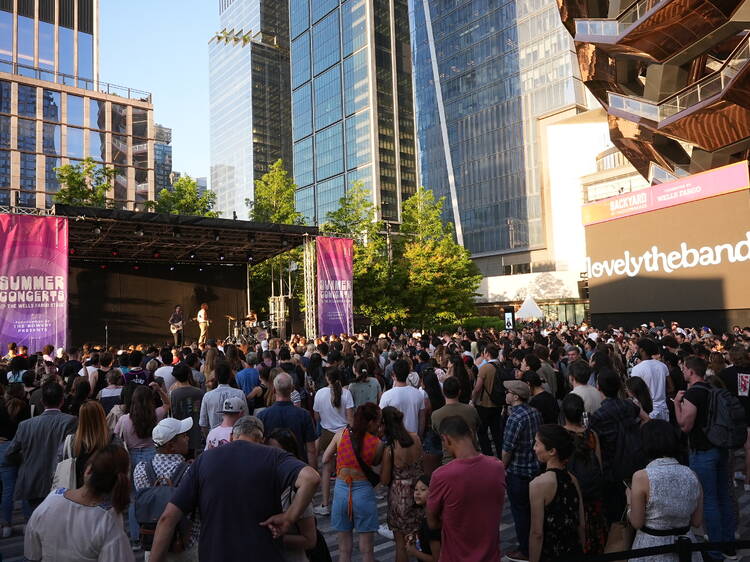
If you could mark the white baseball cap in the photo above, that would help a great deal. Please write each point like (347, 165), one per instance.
(169, 428)
(232, 405)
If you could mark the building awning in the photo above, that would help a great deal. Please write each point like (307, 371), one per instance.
(110, 235)
(529, 310)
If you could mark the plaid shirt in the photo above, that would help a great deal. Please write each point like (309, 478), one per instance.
(520, 431)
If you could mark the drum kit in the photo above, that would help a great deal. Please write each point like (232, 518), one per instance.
(246, 330)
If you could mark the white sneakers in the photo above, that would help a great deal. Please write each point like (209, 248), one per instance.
(385, 531)
(322, 510)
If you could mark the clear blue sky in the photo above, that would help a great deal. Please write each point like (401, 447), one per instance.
(161, 46)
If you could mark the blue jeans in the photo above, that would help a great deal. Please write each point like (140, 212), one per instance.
(712, 469)
(136, 456)
(520, 507)
(8, 474)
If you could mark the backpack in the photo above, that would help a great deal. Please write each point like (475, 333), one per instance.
(585, 466)
(497, 396)
(151, 502)
(725, 423)
(629, 456)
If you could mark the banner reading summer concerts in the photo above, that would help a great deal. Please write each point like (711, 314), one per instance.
(33, 280)
(335, 308)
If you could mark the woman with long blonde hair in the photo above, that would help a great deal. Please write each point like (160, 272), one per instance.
(91, 435)
(212, 357)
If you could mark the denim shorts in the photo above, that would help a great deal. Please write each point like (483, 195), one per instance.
(364, 507)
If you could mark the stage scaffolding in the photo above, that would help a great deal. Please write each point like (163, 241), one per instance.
(311, 305)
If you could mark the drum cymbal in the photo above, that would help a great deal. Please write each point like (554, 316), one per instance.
(228, 317)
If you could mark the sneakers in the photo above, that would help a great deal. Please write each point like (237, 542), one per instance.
(517, 556)
(385, 531)
(322, 510)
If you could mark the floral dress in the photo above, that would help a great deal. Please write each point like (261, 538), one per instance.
(404, 516)
(561, 518)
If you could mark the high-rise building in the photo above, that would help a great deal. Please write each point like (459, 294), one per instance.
(249, 98)
(55, 111)
(485, 72)
(352, 106)
(162, 157)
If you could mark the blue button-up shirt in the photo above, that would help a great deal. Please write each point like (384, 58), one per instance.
(520, 432)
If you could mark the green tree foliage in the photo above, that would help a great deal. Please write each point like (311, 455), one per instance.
(184, 199)
(421, 217)
(84, 184)
(274, 203)
(274, 197)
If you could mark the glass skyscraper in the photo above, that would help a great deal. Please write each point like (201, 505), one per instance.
(54, 110)
(485, 71)
(352, 103)
(249, 90)
(162, 158)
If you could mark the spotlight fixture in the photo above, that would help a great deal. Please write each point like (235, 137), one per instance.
(71, 251)
(251, 237)
(97, 230)
(171, 268)
(191, 255)
(176, 232)
(156, 255)
(136, 267)
(216, 235)
(139, 231)
(221, 256)
(115, 252)
(103, 266)
(200, 269)
(249, 256)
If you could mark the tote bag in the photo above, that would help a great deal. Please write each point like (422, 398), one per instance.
(65, 473)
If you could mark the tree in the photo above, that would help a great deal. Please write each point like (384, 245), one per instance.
(184, 199)
(84, 184)
(377, 284)
(421, 217)
(274, 197)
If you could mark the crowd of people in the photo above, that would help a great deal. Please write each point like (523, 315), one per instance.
(599, 439)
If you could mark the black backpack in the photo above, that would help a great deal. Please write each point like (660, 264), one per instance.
(151, 502)
(497, 396)
(629, 456)
(585, 466)
(725, 423)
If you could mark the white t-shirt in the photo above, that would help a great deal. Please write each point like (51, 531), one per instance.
(409, 401)
(332, 418)
(201, 315)
(218, 436)
(87, 371)
(61, 530)
(591, 397)
(654, 373)
(165, 372)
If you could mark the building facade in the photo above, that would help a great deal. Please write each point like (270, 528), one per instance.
(162, 158)
(54, 110)
(250, 107)
(484, 73)
(352, 104)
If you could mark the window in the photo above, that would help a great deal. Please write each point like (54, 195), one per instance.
(329, 194)
(85, 55)
(301, 112)
(4, 131)
(66, 55)
(4, 96)
(140, 153)
(4, 169)
(75, 143)
(305, 204)
(28, 172)
(6, 36)
(119, 149)
(75, 110)
(356, 82)
(46, 45)
(97, 144)
(327, 98)
(303, 162)
(26, 41)
(358, 140)
(322, 7)
(51, 184)
(300, 60)
(140, 122)
(353, 26)
(27, 100)
(299, 12)
(329, 152)
(326, 43)
(27, 135)
(97, 114)
(51, 105)
(51, 143)
(119, 118)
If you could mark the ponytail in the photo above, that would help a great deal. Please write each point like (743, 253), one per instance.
(361, 370)
(334, 379)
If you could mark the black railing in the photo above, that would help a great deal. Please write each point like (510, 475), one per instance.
(683, 547)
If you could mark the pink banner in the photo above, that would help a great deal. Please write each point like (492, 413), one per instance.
(33, 281)
(335, 304)
(726, 179)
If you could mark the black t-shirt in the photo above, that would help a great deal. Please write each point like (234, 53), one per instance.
(236, 487)
(737, 381)
(186, 403)
(697, 395)
(547, 406)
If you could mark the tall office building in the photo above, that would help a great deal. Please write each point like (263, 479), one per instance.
(250, 119)
(485, 72)
(162, 157)
(55, 111)
(352, 106)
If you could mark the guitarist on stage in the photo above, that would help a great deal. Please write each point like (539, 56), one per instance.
(203, 322)
(176, 326)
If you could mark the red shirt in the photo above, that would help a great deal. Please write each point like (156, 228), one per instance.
(469, 494)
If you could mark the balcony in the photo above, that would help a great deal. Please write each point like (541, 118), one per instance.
(68, 80)
(656, 30)
(711, 113)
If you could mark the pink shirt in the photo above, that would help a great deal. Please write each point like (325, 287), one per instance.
(126, 431)
(469, 495)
